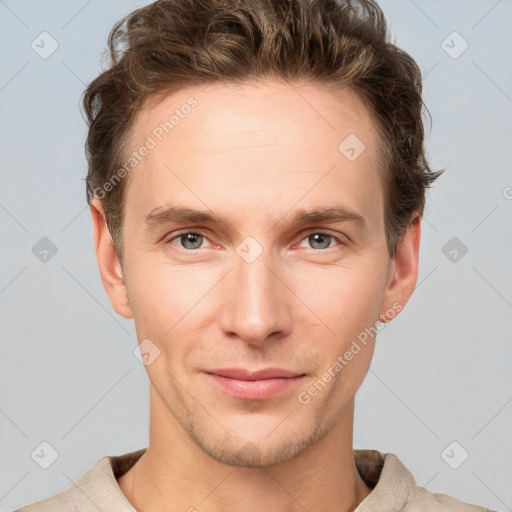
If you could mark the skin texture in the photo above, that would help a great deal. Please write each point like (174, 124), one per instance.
(254, 155)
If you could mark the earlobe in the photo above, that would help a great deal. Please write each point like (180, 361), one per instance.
(109, 266)
(403, 272)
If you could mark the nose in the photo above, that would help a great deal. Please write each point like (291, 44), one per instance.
(257, 301)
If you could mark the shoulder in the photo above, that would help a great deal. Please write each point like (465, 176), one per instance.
(424, 500)
(394, 488)
(59, 502)
(72, 499)
(96, 489)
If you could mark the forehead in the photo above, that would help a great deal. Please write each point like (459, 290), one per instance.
(246, 111)
(266, 137)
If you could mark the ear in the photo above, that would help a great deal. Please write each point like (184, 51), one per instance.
(110, 268)
(403, 272)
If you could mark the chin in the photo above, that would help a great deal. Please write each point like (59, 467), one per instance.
(261, 451)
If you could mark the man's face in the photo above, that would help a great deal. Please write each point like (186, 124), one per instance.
(258, 290)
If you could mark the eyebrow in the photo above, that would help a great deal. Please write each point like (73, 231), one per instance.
(171, 213)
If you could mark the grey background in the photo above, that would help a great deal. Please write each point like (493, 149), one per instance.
(441, 370)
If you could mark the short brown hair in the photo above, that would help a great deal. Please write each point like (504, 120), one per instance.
(337, 44)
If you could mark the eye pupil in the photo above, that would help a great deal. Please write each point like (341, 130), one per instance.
(324, 240)
(193, 238)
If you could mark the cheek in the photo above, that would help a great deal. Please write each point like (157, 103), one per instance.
(346, 304)
(345, 298)
(169, 301)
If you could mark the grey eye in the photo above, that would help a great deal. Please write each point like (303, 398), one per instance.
(320, 238)
(191, 240)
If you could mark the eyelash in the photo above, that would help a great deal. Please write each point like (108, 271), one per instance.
(178, 235)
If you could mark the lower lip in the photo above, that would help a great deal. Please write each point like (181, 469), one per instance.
(254, 389)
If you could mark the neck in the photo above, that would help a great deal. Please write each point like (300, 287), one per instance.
(175, 474)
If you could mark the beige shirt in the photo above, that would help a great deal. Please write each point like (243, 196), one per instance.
(393, 488)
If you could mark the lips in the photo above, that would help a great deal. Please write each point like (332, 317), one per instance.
(242, 374)
(253, 385)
